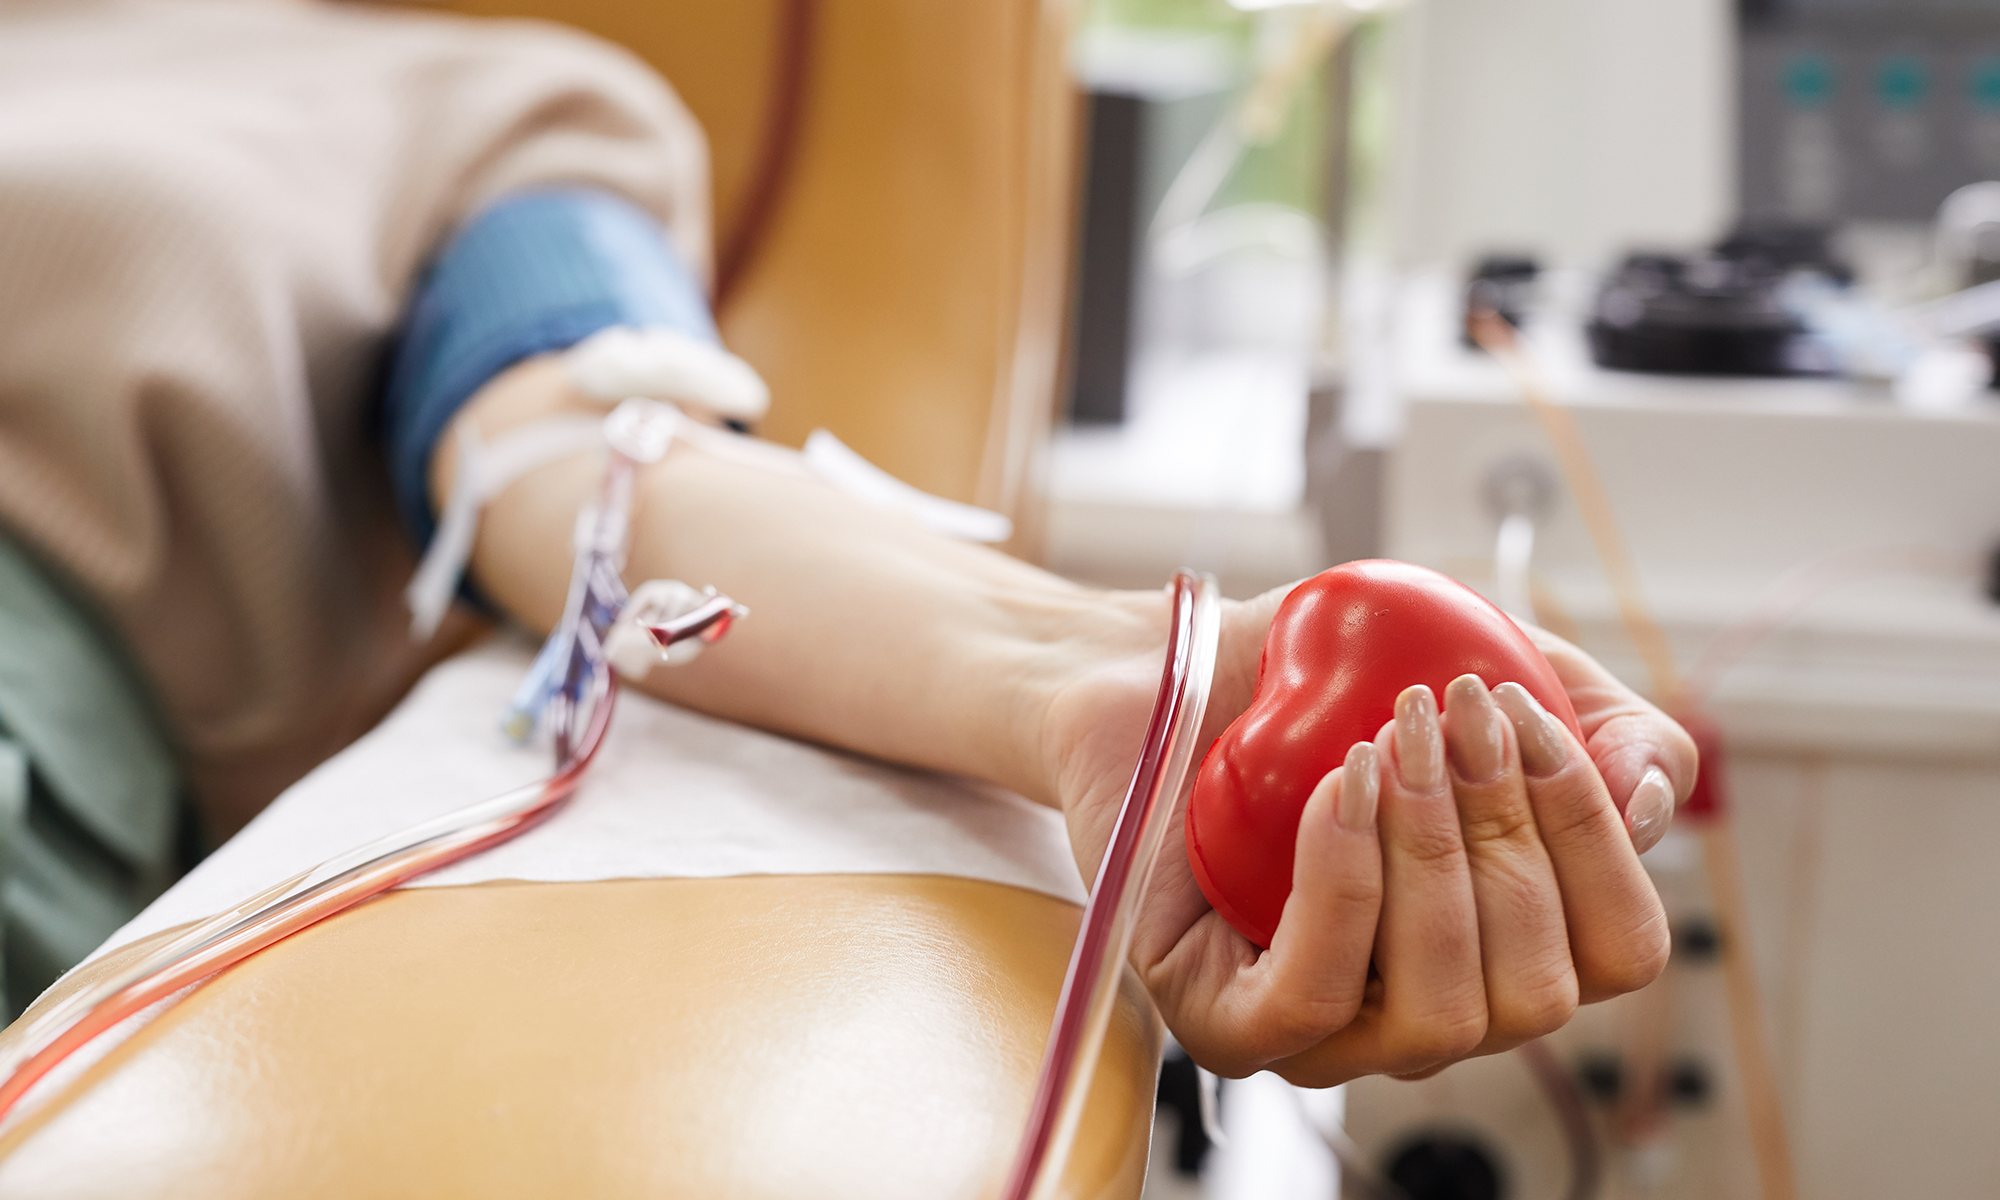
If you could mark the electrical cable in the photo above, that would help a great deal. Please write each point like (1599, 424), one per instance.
(1255, 119)
(1799, 587)
(778, 149)
(1753, 1059)
(1354, 1166)
(1586, 1155)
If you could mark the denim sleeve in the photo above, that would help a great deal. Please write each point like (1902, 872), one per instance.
(537, 271)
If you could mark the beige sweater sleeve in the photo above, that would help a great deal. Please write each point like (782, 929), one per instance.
(211, 213)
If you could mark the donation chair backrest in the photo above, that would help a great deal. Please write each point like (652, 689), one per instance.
(893, 186)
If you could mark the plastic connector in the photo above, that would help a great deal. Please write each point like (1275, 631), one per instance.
(666, 621)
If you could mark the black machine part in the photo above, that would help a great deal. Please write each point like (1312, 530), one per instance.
(1503, 284)
(1708, 315)
(1446, 1165)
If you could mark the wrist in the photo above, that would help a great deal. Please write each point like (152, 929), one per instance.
(1094, 695)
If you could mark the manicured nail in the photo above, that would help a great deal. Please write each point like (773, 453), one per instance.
(1472, 730)
(1419, 743)
(1650, 810)
(1360, 788)
(1543, 748)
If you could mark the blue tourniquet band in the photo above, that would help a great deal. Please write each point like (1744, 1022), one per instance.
(535, 272)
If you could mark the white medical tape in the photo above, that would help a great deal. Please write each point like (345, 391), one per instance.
(842, 466)
(484, 471)
(622, 362)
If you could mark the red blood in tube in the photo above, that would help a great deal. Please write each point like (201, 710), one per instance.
(1344, 644)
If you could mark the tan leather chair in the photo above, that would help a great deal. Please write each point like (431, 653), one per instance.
(794, 1037)
(867, 1036)
(907, 290)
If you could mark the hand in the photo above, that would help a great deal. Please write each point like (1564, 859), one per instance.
(1446, 901)
(1646, 760)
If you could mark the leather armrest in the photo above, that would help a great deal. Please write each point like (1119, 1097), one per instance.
(807, 1036)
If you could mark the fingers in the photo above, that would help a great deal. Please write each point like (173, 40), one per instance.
(1647, 760)
(1236, 1010)
(1433, 995)
(1531, 988)
(1316, 971)
(1617, 929)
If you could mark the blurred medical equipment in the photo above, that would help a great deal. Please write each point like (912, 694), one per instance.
(1712, 315)
(1864, 110)
(1503, 284)
(1810, 550)
(1642, 1116)
(1293, 41)
(1805, 558)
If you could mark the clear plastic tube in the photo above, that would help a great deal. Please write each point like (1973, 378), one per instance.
(1152, 801)
(333, 886)
(578, 710)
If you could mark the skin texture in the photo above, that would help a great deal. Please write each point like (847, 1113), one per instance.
(1446, 902)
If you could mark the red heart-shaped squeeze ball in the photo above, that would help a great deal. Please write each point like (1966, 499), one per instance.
(1344, 644)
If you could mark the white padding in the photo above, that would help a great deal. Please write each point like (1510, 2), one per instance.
(673, 794)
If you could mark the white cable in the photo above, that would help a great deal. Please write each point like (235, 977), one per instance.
(1513, 552)
(838, 464)
(1207, 1092)
(484, 471)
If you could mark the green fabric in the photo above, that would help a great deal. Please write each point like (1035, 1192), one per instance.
(89, 798)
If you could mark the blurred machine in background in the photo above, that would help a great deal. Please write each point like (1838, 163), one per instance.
(1813, 549)
(1866, 109)
(1814, 554)
(1801, 475)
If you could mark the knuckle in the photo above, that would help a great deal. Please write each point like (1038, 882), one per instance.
(1213, 1054)
(1295, 1024)
(1357, 891)
(1636, 962)
(1433, 846)
(1572, 807)
(1443, 1038)
(1503, 826)
(1524, 1015)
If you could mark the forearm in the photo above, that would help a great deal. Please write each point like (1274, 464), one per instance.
(867, 631)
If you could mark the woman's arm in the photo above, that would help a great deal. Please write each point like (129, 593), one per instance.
(1472, 857)
(867, 631)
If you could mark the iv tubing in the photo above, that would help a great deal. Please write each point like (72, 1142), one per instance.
(328, 889)
(587, 685)
(1152, 801)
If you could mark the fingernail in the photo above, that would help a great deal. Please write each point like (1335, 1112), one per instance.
(1419, 744)
(1650, 810)
(1543, 749)
(1360, 788)
(1472, 731)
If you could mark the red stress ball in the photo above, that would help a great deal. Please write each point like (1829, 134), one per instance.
(1344, 644)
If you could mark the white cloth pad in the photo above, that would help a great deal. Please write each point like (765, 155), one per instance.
(672, 794)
